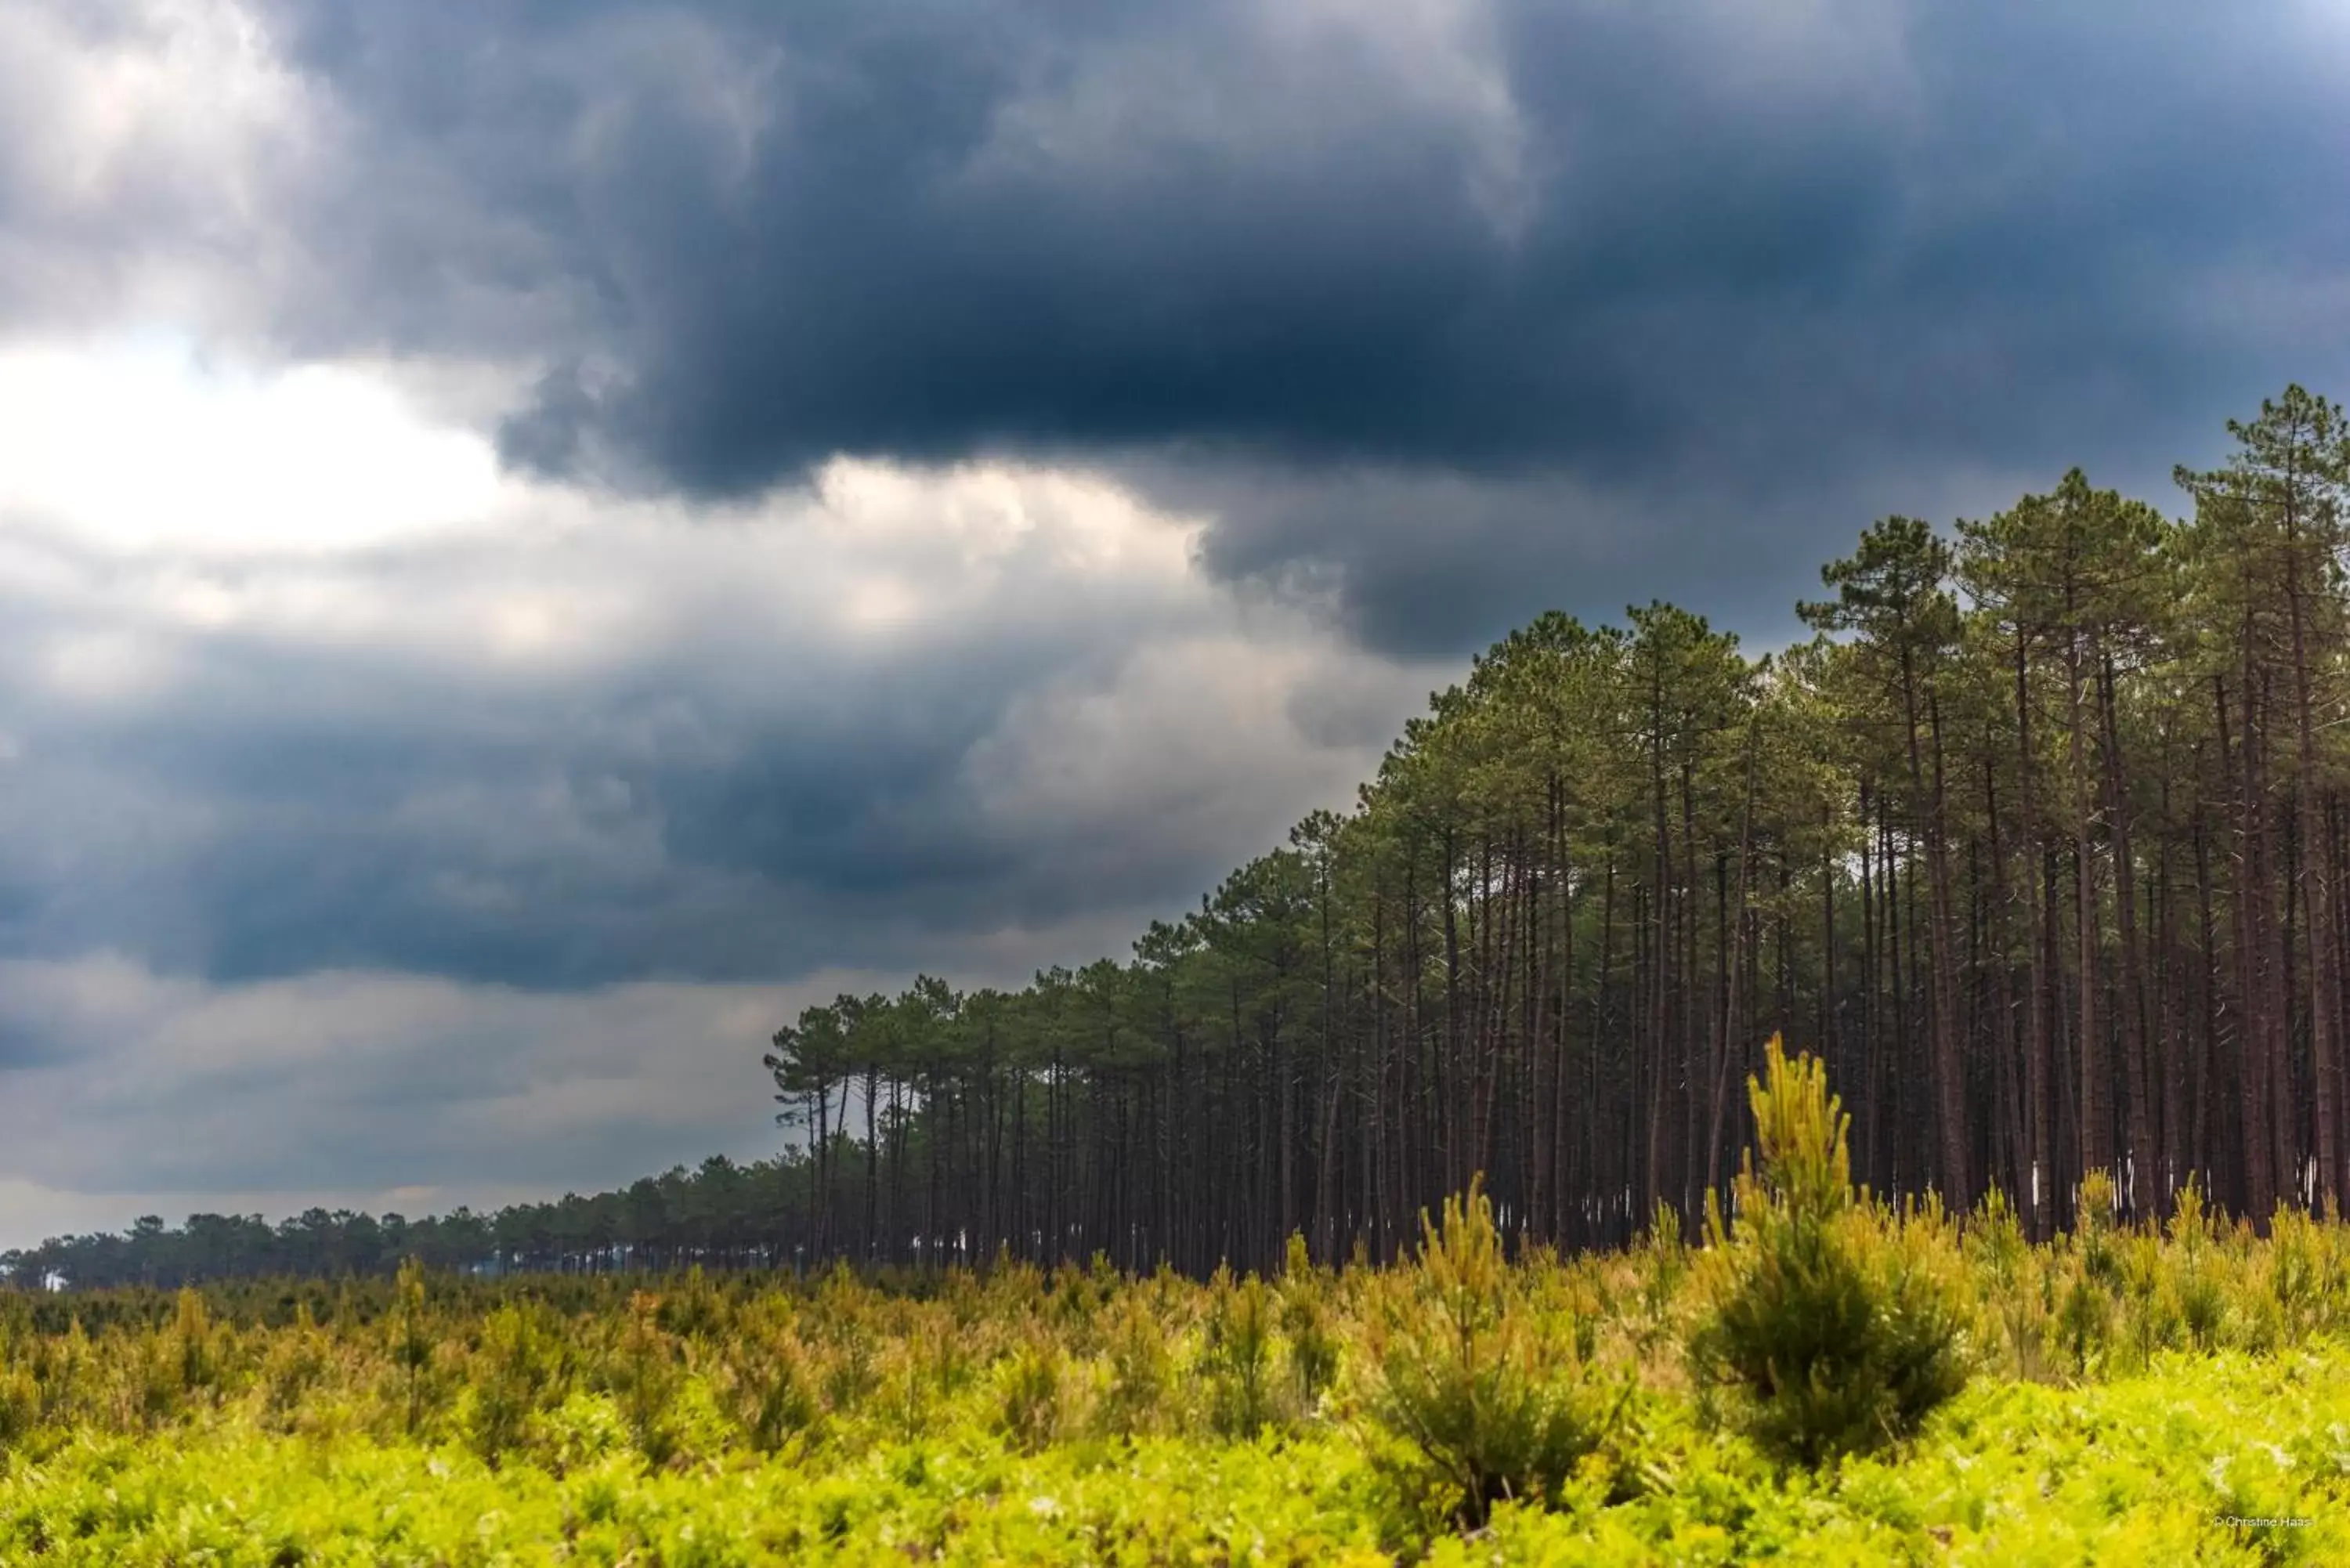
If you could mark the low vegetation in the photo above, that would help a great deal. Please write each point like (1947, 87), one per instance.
(1824, 1379)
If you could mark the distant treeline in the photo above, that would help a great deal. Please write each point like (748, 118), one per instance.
(2041, 843)
(721, 1215)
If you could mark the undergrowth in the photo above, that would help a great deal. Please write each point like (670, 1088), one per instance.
(1815, 1374)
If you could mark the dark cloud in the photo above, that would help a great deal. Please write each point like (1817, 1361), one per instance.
(254, 845)
(917, 231)
(1703, 271)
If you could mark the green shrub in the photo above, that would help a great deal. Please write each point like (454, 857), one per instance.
(1663, 1265)
(519, 1369)
(410, 1341)
(2151, 1313)
(1306, 1324)
(2093, 1228)
(295, 1361)
(1483, 1395)
(1032, 1395)
(1836, 1328)
(1236, 1360)
(1141, 1366)
(770, 1384)
(844, 1316)
(2196, 1282)
(646, 1378)
(692, 1308)
(2086, 1277)
(2298, 1255)
(20, 1405)
(2008, 1267)
(66, 1371)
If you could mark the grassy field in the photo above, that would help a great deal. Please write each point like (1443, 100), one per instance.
(1816, 1379)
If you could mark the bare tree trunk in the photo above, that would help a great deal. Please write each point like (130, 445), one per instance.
(2133, 1010)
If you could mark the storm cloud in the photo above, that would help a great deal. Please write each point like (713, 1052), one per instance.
(1716, 270)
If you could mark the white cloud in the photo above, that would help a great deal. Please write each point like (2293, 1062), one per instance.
(137, 448)
(230, 586)
(142, 144)
(166, 503)
(183, 89)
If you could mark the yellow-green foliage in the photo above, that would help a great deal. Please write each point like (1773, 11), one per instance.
(295, 1363)
(517, 1370)
(2009, 1272)
(2196, 1281)
(1481, 1387)
(1236, 1360)
(1307, 1325)
(2137, 1388)
(1033, 1394)
(2153, 1469)
(1835, 1325)
(1139, 1384)
(1663, 1265)
(20, 1405)
(410, 1341)
(768, 1381)
(646, 1378)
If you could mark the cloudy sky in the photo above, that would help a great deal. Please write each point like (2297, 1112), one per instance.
(535, 538)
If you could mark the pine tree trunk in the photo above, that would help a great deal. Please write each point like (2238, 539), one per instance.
(2133, 1009)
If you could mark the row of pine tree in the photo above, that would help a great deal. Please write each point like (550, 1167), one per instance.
(2039, 843)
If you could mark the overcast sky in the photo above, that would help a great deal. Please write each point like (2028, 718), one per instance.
(537, 538)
